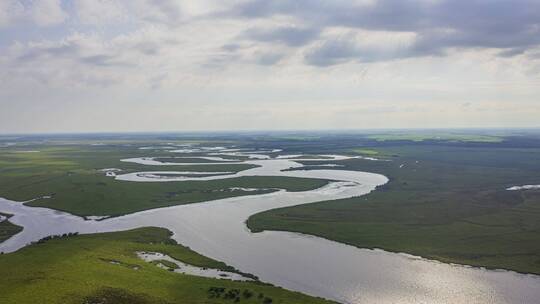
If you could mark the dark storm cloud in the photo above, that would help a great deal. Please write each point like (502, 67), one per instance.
(511, 26)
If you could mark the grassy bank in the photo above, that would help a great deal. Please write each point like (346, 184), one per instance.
(8, 229)
(445, 203)
(78, 269)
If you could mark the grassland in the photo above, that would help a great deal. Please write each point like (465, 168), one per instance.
(442, 202)
(79, 269)
(450, 137)
(70, 174)
(8, 229)
(92, 194)
(368, 152)
(195, 159)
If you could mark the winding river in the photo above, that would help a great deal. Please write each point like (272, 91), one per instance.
(308, 264)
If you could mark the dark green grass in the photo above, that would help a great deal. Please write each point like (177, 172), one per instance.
(452, 206)
(92, 194)
(70, 175)
(7, 229)
(78, 269)
(196, 158)
(191, 159)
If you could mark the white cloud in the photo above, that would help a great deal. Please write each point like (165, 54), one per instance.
(171, 59)
(47, 12)
(157, 11)
(100, 12)
(10, 10)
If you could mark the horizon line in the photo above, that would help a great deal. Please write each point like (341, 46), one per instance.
(139, 132)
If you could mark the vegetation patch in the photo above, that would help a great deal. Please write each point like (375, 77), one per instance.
(368, 152)
(444, 203)
(108, 295)
(70, 176)
(168, 264)
(97, 268)
(7, 229)
(237, 295)
(450, 137)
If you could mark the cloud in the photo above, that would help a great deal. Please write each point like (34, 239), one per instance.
(42, 51)
(269, 58)
(174, 42)
(42, 13)
(332, 52)
(100, 12)
(103, 60)
(289, 35)
(10, 10)
(157, 11)
(87, 59)
(47, 12)
(511, 26)
(337, 47)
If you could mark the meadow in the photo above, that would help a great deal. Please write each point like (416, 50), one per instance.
(103, 268)
(69, 177)
(7, 229)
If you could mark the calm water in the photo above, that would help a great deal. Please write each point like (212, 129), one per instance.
(304, 263)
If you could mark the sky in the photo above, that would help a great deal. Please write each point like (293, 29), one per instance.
(203, 65)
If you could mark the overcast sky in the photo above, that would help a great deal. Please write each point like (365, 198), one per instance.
(171, 65)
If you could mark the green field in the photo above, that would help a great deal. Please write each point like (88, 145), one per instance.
(450, 137)
(78, 269)
(367, 152)
(8, 229)
(445, 203)
(195, 159)
(70, 174)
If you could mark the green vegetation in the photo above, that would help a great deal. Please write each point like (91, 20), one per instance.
(95, 194)
(445, 203)
(368, 152)
(195, 159)
(103, 268)
(451, 137)
(236, 295)
(8, 229)
(168, 264)
(70, 174)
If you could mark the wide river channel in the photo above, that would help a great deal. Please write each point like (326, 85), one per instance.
(304, 263)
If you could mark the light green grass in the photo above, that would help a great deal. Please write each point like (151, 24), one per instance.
(368, 152)
(79, 270)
